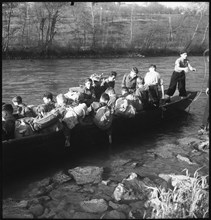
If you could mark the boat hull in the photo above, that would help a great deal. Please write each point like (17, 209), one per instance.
(84, 136)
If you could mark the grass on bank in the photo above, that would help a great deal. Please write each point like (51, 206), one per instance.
(188, 199)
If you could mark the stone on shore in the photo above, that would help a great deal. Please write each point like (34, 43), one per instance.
(188, 141)
(60, 178)
(114, 214)
(119, 207)
(85, 215)
(185, 159)
(89, 174)
(12, 209)
(94, 205)
(36, 210)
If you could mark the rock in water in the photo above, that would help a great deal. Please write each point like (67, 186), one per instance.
(89, 174)
(184, 159)
(94, 205)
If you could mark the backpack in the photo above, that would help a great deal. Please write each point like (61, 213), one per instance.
(124, 108)
(103, 117)
(70, 118)
(50, 119)
(135, 102)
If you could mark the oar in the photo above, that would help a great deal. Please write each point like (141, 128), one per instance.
(162, 90)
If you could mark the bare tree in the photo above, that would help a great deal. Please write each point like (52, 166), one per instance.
(205, 33)
(200, 9)
(7, 14)
(131, 24)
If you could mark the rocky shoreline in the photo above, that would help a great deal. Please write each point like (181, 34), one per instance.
(120, 191)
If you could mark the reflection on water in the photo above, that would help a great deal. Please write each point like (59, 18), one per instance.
(30, 79)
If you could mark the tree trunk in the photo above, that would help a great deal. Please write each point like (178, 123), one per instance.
(195, 32)
(170, 29)
(8, 30)
(131, 26)
(93, 25)
(205, 32)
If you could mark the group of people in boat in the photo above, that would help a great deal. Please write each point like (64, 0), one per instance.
(95, 102)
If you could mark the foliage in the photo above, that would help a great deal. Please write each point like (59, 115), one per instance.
(188, 199)
(40, 27)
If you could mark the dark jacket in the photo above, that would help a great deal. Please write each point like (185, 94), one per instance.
(128, 82)
(8, 128)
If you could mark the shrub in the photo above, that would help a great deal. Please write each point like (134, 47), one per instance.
(188, 199)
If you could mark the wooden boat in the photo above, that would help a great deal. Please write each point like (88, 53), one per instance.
(83, 136)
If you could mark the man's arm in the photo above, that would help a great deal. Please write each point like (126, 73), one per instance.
(190, 67)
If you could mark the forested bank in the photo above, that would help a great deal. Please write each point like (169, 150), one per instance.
(104, 29)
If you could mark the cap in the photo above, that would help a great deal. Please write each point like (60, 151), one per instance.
(182, 52)
(17, 99)
(134, 69)
(113, 73)
(7, 107)
(48, 95)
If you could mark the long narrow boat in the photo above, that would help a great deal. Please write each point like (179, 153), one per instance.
(27, 147)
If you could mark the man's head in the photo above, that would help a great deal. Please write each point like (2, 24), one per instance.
(152, 67)
(47, 97)
(104, 98)
(17, 100)
(88, 83)
(7, 110)
(112, 76)
(134, 72)
(183, 54)
(110, 91)
(124, 91)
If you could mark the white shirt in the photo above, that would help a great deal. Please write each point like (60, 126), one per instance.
(152, 78)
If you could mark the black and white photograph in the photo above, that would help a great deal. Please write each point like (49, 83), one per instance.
(105, 110)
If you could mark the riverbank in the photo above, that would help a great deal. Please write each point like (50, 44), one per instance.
(126, 189)
(98, 54)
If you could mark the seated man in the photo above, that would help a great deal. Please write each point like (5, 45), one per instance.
(22, 109)
(101, 114)
(112, 96)
(48, 100)
(104, 99)
(129, 80)
(88, 92)
(8, 122)
(98, 88)
(48, 105)
(153, 82)
(110, 80)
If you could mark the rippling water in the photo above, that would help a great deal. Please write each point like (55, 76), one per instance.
(31, 78)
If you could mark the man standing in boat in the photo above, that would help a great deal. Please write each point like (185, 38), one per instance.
(182, 65)
(129, 80)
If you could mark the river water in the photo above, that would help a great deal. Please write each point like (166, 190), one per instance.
(31, 78)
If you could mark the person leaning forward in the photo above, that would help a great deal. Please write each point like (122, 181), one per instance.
(182, 65)
(129, 81)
